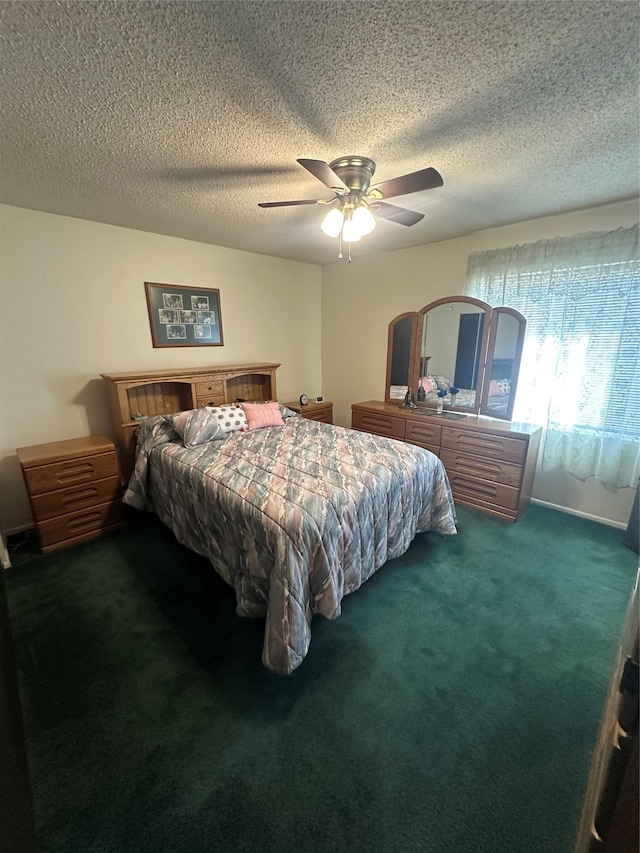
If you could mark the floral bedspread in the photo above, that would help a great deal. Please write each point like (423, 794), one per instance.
(293, 517)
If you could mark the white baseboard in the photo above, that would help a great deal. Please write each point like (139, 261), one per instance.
(619, 524)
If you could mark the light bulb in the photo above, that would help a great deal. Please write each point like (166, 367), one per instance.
(332, 223)
(364, 220)
(350, 231)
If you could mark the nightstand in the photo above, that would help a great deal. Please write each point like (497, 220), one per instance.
(313, 411)
(74, 489)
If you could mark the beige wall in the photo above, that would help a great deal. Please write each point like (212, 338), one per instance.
(360, 299)
(72, 306)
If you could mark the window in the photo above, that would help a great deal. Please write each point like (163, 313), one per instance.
(580, 373)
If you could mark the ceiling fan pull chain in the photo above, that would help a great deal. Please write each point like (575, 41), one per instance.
(340, 252)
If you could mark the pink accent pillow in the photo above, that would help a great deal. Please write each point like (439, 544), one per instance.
(262, 415)
(494, 389)
(428, 384)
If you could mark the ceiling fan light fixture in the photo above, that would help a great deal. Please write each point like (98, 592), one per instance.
(332, 223)
(364, 220)
(350, 230)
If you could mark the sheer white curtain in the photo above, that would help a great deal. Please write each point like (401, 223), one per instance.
(580, 373)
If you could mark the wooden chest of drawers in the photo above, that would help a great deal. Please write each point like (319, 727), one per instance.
(490, 464)
(314, 411)
(74, 489)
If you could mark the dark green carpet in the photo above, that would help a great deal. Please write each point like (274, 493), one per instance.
(452, 707)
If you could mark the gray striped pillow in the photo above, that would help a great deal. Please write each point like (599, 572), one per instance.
(197, 426)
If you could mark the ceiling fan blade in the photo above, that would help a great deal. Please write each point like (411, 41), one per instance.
(414, 182)
(288, 203)
(396, 214)
(324, 173)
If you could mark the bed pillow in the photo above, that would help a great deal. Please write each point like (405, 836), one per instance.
(287, 413)
(499, 387)
(262, 415)
(428, 383)
(441, 382)
(230, 418)
(197, 426)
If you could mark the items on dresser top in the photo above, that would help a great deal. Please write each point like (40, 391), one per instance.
(490, 463)
(136, 395)
(314, 411)
(74, 489)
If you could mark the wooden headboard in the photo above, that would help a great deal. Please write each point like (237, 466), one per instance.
(139, 394)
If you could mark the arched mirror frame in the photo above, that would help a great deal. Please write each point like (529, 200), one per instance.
(496, 313)
(489, 335)
(415, 336)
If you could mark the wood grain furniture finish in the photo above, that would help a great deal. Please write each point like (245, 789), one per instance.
(490, 463)
(161, 392)
(74, 489)
(322, 412)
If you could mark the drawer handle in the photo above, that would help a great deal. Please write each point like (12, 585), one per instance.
(79, 497)
(75, 473)
(480, 443)
(87, 522)
(484, 490)
(474, 467)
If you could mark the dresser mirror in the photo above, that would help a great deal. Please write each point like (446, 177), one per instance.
(459, 352)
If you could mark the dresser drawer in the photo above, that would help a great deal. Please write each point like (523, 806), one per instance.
(64, 501)
(427, 435)
(484, 444)
(482, 467)
(73, 472)
(471, 489)
(378, 423)
(79, 525)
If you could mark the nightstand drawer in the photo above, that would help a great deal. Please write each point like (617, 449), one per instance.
(72, 472)
(325, 415)
(73, 499)
(84, 524)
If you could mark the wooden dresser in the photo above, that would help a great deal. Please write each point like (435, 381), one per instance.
(313, 411)
(490, 463)
(74, 489)
(144, 393)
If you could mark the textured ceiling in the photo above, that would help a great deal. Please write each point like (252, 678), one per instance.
(179, 117)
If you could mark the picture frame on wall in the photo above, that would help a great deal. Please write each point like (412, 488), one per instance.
(182, 316)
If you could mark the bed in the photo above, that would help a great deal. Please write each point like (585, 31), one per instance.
(293, 516)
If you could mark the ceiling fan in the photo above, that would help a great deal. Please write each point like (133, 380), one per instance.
(358, 201)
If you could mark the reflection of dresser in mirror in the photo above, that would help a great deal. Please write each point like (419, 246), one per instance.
(462, 344)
